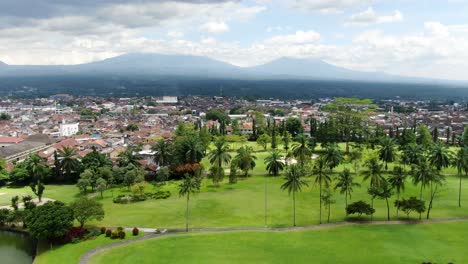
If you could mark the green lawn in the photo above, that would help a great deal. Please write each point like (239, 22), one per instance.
(435, 243)
(71, 253)
(64, 193)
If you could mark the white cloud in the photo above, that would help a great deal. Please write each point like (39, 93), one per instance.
(215, 27)
(369, 16)
(329, 6)
(300, 37)
(175, 34)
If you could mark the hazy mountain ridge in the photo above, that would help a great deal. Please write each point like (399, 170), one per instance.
(152, 64)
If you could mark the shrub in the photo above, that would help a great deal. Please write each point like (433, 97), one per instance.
(115, 234)
(103, 230)
(108, 232)
(135, 231)
(75, 232)
(120, 229)
(75, 240)
(122, 234)
(360, 208)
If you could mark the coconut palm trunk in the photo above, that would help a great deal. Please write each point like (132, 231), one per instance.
(294, 208)
(320, 202)
(187, 213)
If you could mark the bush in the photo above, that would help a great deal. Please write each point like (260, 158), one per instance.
(159, 195)
(75, 232)
(122, 234)
(360, 208)
(103, 230)
(108, 233)
(135, 231)
(120, 229)
(75, 240)
(115, 234)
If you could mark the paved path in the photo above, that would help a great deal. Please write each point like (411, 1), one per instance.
(150, 232)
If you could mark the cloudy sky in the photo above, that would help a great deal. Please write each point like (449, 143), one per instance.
(408, 37)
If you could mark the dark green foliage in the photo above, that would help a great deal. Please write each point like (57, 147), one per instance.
(103, 230)
(135, 231)
(85, 209)
(49, 221)
(108, 233)
(411, 205)
(360, 208)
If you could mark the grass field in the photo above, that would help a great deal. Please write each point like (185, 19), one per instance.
(71, 253)
(434, 243)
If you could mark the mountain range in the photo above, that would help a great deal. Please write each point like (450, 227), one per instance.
(151, 64)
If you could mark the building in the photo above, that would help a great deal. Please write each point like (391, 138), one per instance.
(8, 141)
(21, 151)
(167, 100)
(68, 130)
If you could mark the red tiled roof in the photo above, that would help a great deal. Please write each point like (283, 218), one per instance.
(12, 140)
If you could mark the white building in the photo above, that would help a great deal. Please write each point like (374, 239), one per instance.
(67, 130)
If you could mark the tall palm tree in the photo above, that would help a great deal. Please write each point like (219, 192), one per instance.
(293, 184)
(301, 150)
(345, 182)
(422, 173)
(397, 181)
(374, 172)
(355, 157)
(322, 178)
(460, 161)
(220, 155)
(193, 150)
(274, 163)
(439, 157)
(387, 152)
(333, 156)
(190, 185)
(245, 160)
(68, 160)
(162, 152)
(35, 166)
(411, 154)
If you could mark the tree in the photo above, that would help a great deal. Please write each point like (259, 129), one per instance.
(4, 175)
(374, 172)
(345, 184)
(294, 126)
(95, 160)
(85, 209)
(397, 181)
(460, 161)
(333, 156)
(233, 173)
(286, 139)
(301, 150)
(410, 205)
(129, 157)
(435, 180)
(245, 160)
(49, 221)
(384, 191)
(322, 174)
(162, 152)
(439, 157)
(360, 208)
(217, 174)
(190, 185)
(83, 184)
(68, 161)
(355, 157)
(387, 151)
(293, 184)
(327, 200)
(132, 127)
(220, 155)
(411, 154)
(465, 136)
(274, 163)
(424, 137)
(192, 150)
(263, 141)
(101, 186)
(422, 173)
(36, 169)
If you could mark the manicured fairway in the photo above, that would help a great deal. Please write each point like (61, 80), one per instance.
(435, 243)
(64, 193)
(71, 253)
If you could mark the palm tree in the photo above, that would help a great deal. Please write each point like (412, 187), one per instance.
(422, 173)
(374, 173)
(293, 184)
(274, 163)
(345, 182)
(387, 151)
(301, 150)
(355, 156)
(439, 157)
(397, 181)
(460, 161)
(245, 160)
(162, 152)
(220, 155)
(129, 157)
(35, 166)
(190, 185)
(68, 160)
(193, 150)
(322, 177)
(333, 156)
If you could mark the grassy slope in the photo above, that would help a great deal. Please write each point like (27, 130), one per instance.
(71, 253)
(437, 243)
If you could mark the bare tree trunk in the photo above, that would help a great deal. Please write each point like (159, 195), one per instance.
(459, 191)
(328, 220)
(294, 208)
(388, 210)
(320, 202)
(398, 208)
(187, 213)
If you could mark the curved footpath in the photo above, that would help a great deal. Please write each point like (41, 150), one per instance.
(150, 233)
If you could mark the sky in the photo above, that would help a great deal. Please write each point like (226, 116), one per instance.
(423, 38)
